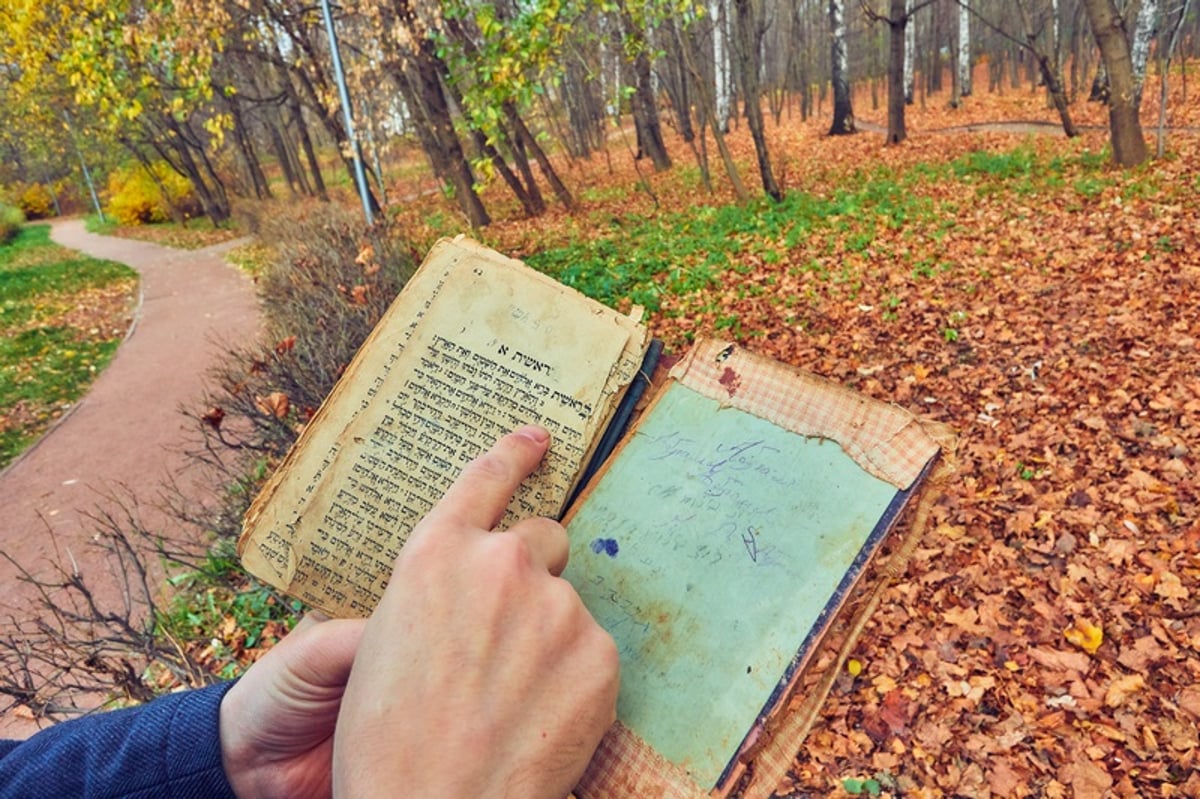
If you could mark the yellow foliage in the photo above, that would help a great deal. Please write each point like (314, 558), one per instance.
(34, 200)
(134, 197)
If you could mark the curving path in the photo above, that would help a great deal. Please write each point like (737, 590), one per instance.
(124, 437)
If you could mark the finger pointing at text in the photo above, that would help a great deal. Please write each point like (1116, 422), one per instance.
(481, 673)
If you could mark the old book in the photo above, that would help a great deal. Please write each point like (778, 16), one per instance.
(474, 346)
(715, 544)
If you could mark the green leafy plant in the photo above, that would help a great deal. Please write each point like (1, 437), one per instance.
(11, 219)
(857, 787)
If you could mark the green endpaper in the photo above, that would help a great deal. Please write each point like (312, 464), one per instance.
(709, 550)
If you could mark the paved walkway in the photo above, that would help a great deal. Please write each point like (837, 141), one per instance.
(125, 435)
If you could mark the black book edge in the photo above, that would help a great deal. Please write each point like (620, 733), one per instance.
(619, 423)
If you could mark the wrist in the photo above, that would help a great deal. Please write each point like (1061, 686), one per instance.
(237, 754)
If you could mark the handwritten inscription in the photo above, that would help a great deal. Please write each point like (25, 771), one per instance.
(733, 536)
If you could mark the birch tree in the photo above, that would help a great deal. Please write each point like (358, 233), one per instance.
(964, 49)
(910, 49)
(1139, 48)
(843, 113)
(722, 79)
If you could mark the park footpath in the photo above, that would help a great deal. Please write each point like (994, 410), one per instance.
(124, 440)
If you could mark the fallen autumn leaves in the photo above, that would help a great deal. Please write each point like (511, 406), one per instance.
(1045, 640)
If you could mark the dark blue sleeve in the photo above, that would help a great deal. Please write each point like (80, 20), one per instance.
(167, 748)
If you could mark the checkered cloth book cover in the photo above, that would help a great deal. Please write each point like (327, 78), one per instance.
(885, 440)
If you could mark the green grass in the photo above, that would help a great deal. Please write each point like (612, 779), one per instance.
(193, 234)
(106, 227)
(643, 260)
(205, 599)
(252, 258)
(46, 365)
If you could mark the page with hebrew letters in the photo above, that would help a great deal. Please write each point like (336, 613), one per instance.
(495, 345)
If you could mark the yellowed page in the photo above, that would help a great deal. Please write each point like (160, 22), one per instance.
(498, 346)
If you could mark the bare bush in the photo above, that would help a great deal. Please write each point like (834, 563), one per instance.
(80, 648)
(330, 281)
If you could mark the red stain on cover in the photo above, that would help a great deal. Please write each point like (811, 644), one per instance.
(730, 380)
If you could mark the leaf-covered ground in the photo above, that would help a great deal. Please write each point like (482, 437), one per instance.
(1045, 640)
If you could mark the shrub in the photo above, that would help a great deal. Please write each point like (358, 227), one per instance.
(36, 201)
(135, 198)
(324, 285)
(11, 220)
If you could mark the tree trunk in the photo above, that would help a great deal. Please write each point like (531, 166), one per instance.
(677, 82)
(241, 137)
(706, 101)
(306, 143)
(1164, 69)
(584, 112)
(910, 49)
(1051, 74)
(529, 141)
(433, 101)
(1125, 129)
(526, 193)
(1099, 91)
(964, 50)
(897, 21)
(1143, 34)
(937, 40)
(283, 157)
(721, 81)
(843, 113)
(749, 38)
(645, 106)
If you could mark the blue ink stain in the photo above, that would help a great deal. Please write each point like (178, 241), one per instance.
(607, 546)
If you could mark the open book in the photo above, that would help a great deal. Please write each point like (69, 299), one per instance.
(715, 543)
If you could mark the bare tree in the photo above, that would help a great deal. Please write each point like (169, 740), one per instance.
(1164, 60)
(749, 38)
(1031, 40)
(77, 649)
(897, 19)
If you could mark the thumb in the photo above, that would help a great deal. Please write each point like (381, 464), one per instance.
(320, 653)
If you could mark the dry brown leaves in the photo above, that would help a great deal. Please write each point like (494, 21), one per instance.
(1045, 640)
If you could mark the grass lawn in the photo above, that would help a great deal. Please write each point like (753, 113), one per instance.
(62, 316)
(194, 234)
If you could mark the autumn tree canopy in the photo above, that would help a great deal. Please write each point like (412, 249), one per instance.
(488, 89)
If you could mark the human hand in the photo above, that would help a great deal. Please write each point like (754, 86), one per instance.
(481, 674)
(277, 722)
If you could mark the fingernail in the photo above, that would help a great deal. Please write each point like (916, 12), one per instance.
(537, 435)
